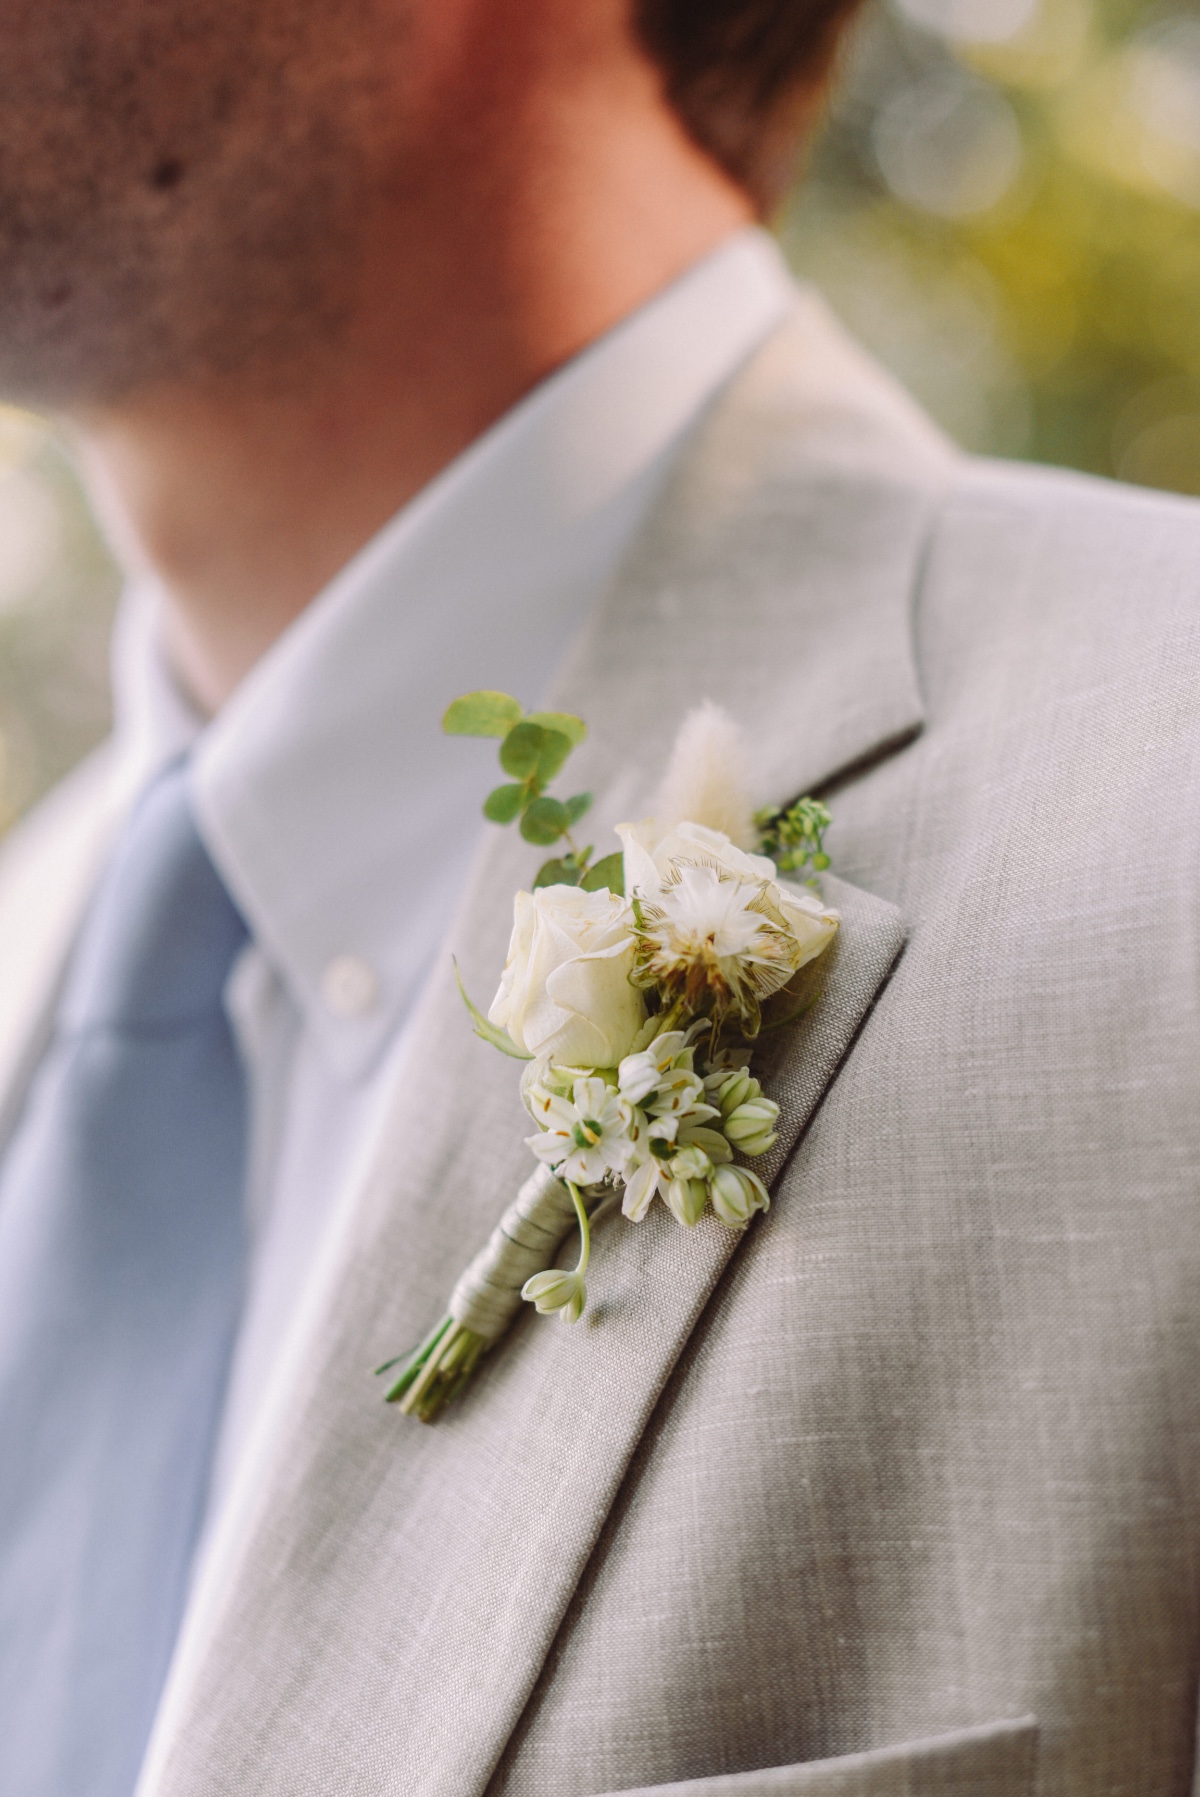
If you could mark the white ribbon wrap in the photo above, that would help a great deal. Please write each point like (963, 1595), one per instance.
(524, 1242)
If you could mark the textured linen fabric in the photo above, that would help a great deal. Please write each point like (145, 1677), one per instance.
(121, 1263)
(998, 1761)
(918, 1456)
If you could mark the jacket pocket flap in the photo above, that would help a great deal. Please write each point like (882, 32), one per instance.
(997, 1760)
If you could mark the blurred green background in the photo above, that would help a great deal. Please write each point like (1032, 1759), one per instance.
(1004, 205)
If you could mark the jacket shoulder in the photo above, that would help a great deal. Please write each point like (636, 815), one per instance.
(63, 831)
(1082, 542)
(1058, 630)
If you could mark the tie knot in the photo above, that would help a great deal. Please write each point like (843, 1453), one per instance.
(161, 933)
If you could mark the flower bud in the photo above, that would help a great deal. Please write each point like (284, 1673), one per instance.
(691, 1163)
(735, 1089)
(736, 1195)
(710, 1140)
(751, 1127)
(556, 1290)
(639, 1074)
(687, 1198)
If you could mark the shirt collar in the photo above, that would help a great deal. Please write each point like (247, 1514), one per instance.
(155, 721)
(340, 817)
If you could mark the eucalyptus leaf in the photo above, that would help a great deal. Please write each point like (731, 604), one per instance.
(557, 873)
(482, 714)
(522, 748)
(504, 802)
(576, 807)
(610, 872)
(554, 751)
(488, 1031)
(564, 722)
(544, 821)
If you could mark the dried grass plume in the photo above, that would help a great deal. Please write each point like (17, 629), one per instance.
(707, 780)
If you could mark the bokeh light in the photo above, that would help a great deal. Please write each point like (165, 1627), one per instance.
(1005, 206)
(58, 589)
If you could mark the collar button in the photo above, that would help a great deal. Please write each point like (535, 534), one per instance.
(349, 986)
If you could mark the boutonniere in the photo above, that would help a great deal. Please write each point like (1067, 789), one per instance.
(635, 991)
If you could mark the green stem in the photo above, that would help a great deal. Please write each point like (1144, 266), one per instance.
(670, 1018)
(415, 1361)
(585, 1230)
(438, 1370)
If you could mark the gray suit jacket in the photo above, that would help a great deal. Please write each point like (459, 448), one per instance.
(897, 1493)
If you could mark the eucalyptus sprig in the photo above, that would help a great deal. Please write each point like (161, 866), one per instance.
(794, 836)
(534, 748)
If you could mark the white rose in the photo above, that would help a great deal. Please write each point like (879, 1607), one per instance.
(565, 995)
(653, 852)
(652, 849)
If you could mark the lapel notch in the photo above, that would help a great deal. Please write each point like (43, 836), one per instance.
(778, 573)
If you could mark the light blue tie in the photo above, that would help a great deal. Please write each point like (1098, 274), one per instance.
(121, 1256)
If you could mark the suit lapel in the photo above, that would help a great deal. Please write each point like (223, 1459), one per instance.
(776, 576)
(390, 1591)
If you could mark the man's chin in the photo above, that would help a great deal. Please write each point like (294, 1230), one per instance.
(180, 185)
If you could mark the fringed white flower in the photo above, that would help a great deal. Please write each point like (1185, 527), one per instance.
(716, 931)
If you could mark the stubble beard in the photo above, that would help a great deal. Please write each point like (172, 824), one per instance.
(182, 188)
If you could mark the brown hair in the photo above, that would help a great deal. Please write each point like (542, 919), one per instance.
(745, 76)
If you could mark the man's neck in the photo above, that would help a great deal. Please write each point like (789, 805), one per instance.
(247, 497)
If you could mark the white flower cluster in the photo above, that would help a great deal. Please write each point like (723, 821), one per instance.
(616, 1084)
(659, 1125)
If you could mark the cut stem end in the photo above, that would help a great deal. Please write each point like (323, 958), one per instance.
(436, 1372)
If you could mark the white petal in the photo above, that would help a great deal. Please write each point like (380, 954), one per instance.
(638, 841)
(639, 1191)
